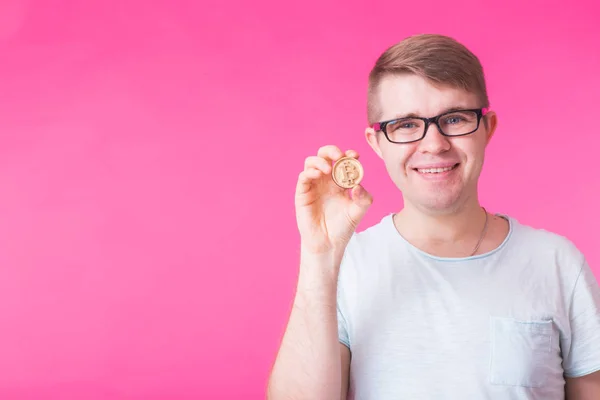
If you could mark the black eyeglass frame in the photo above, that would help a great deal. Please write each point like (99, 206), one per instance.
(381, 126)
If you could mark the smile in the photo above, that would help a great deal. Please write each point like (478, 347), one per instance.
(437, 170)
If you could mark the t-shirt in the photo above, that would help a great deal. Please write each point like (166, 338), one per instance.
(508, 324)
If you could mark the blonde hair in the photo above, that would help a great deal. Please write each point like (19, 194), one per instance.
(439, 59)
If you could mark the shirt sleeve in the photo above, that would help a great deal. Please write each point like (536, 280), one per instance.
(342, 303)
(342, 329)
(584, 314)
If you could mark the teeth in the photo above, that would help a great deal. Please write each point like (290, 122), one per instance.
(434, 170)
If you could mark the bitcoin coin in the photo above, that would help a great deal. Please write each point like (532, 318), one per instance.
(347, 172)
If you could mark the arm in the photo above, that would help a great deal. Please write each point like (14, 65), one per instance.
(584, 388)
(311, 363)
(582, 361)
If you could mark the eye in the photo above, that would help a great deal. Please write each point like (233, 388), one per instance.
(454, 120)
(407, 125)
(459, 118)
(404, 126)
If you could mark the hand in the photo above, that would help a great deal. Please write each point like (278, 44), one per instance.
(327, 215)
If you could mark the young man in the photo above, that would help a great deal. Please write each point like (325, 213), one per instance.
(441, 300)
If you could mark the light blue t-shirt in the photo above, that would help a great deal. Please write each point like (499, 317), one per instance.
(508, 324)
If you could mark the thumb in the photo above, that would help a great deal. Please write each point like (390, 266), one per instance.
(361, 201)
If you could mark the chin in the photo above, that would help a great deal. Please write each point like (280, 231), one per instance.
(438, 203)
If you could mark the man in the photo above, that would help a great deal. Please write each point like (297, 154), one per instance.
(441, 300)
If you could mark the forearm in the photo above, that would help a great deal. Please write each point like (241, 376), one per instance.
(308, 365)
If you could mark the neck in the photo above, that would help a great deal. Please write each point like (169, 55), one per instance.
(462, 224)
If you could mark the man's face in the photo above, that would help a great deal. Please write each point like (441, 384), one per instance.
(410, 165)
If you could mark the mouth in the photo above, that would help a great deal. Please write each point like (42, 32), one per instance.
(436, 170)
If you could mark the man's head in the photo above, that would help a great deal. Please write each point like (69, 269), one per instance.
(425, 76)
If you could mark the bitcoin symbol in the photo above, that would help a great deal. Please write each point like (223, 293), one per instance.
(349, 173)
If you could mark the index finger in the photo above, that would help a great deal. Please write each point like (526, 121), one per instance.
(330, 152)
(352, 153)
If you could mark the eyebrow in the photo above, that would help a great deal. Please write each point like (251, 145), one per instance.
(443, 111)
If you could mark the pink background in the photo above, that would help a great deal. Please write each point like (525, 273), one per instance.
(149, 152)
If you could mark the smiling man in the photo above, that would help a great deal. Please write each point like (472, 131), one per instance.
(442, 299)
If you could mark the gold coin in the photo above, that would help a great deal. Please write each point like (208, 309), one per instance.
(347, 172)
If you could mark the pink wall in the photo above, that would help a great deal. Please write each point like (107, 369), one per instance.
(148, 159)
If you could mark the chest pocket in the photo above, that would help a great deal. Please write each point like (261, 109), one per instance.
(521, 352)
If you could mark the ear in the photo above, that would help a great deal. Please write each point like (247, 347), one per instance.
(373, 140)
(490, 123)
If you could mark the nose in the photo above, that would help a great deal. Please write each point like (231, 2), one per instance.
(434, 142)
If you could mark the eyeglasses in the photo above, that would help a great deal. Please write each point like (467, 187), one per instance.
(413, 129)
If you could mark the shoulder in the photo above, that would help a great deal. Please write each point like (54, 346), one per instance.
(373, 238)
(545, 242)
(548, 251)
(368, 245)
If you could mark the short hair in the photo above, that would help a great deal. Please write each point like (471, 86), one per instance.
(439, 59)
